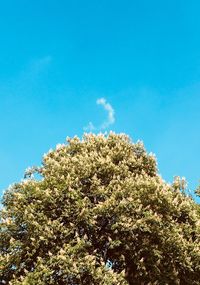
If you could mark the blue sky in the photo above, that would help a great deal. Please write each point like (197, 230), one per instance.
(58, 59)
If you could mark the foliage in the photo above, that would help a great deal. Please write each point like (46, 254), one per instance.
(99, 215)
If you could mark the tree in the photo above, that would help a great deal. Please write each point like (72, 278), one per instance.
(100, 214)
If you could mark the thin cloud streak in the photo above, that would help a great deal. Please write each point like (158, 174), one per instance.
(90, 127)
(110, 116)
(111, 113)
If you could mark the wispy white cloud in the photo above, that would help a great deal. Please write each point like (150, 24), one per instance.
(39, 64)
(111, 113)
(34, 69)
(90, 127)
(110, 116)
(28, 84)
(29, 75)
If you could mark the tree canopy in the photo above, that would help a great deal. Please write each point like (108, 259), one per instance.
(99, 214)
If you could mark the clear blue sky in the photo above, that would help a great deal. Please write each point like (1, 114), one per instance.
(57, 58)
